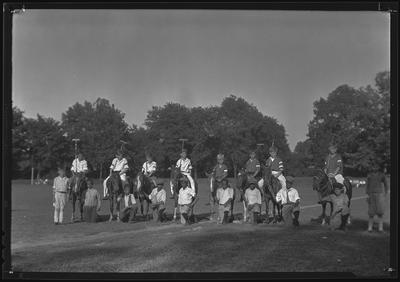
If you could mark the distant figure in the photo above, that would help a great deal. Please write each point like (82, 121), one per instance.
(377, 189)
(158, 198)
(340, 203)
(185, 167)
(225, 198)
(290, 201)
(60, 187)
(92, 203)
(129, 205)
(253, 200)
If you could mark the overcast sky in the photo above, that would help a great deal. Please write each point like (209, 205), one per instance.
(280, 61)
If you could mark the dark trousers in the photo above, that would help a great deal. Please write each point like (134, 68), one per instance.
(129, 213)
(90, 213)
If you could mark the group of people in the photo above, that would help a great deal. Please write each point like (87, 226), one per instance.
(288, 197)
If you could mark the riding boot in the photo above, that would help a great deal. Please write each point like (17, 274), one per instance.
(296, 218)
(343, 222)
(255, 218)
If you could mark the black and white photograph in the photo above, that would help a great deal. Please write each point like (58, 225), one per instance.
(201, 141)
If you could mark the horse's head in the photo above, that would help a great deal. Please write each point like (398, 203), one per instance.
(113, 183)
(241, 179)
(174, 178)
(319, 180)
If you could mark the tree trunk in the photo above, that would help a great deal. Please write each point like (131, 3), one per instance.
(235, 171)
(32, 174)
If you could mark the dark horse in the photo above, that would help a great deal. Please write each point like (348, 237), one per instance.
(77, 193)
(324, 187)
(271, 188)
(144, 186)
(175, 184)
(115, 190)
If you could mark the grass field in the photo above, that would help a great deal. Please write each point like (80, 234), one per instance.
(39, 245)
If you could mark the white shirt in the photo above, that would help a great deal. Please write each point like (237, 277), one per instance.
(282, 195)
(185, 196)
(79, 166)
(119, 165)
(126, 200)
(253, 196)
(149, 168)
(158, 196)
(223, 195)
(184, 165)
(60, 184)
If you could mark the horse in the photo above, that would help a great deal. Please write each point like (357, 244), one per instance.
(324, 186)
(77, 193)
(143, 190)
(271, 187)
(115, 190)
(175, 185)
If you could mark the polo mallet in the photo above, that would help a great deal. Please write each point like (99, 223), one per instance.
(76, 140)
(183, 140)
(123, 143)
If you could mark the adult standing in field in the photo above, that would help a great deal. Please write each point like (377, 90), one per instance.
(60, 186)
(79, 169)
(185, 167)
(377, 188)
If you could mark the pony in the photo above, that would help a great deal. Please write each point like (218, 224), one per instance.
(324, 187)
(114, 186)
(144, 186)
(271, 187)
(77, 193)
(175, 185)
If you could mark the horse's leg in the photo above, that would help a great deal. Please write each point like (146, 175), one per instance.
(73, 207)
(244, 212)
(118, 209)
(323, 215)
(111, 201)
(81, 202)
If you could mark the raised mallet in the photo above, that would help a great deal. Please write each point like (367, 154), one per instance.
(183, 140)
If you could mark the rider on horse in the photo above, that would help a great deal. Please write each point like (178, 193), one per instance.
(252, 168)
(185, 167)
(334, 165)
(149, 168)
(79, 169)
(220, 172)
(119, 166)
(276, 165)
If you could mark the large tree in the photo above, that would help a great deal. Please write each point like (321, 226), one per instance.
(99, 126)
(358, 120)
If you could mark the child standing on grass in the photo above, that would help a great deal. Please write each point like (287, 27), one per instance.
(377, 189)
(340, 205)
(92, 203)
(60, 187)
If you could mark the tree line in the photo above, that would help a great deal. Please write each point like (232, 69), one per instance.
(357, 119)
